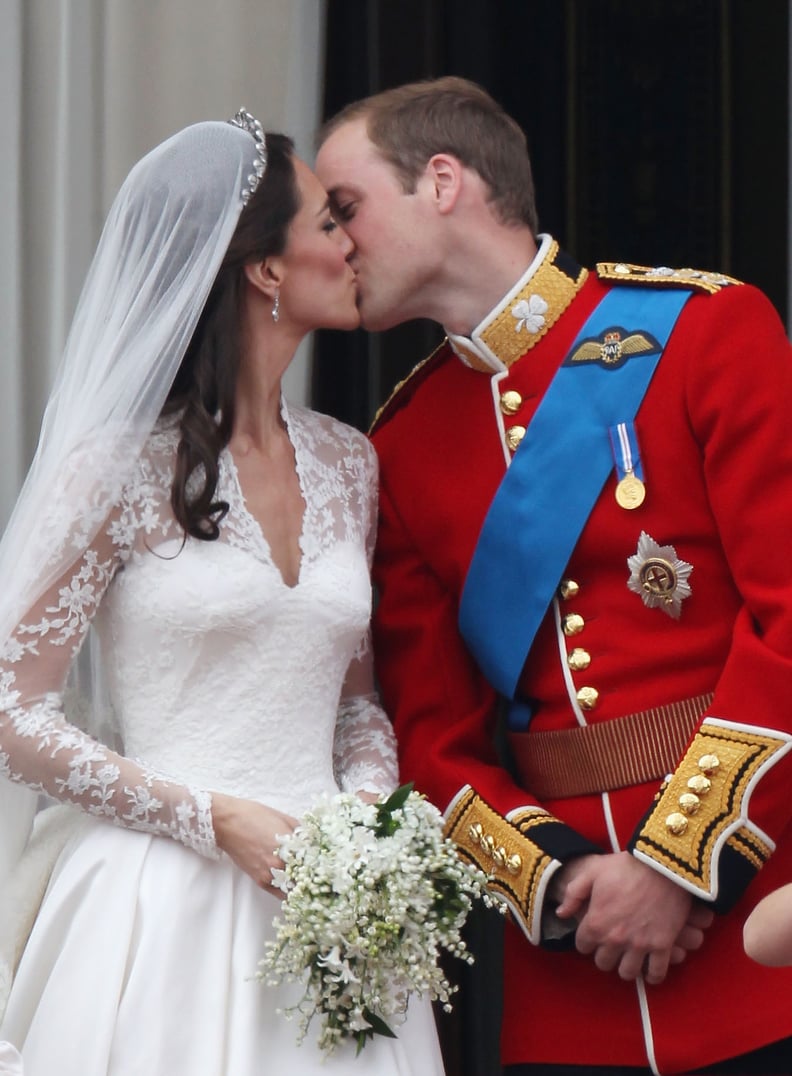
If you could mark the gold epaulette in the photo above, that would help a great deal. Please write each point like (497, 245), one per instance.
(699, 821)
(519, 870)
(660, 276)
(411, 381)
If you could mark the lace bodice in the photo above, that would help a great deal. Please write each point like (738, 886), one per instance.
(221, 677)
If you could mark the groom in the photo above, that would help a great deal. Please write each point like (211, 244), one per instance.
(585, 516)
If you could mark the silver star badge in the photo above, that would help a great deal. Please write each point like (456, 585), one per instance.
(659, 576)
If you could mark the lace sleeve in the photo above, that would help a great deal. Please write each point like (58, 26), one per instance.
(40, 748)
(365, 747)
(364, 753)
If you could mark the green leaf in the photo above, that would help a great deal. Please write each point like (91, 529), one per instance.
(386, 823)
(397, 799)
(361, 1038)
(378, 1025)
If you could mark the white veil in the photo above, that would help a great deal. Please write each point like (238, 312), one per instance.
(162, 245)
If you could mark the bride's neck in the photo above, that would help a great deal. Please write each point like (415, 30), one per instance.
(258, 421)
(267, 349)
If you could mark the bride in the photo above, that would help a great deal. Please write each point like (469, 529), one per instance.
(208, 544)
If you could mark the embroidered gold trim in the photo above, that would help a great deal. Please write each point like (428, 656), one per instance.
(717, 769)
(750, 845)
(501, 334)
(526, 819)
(499, 848)
(698, 279)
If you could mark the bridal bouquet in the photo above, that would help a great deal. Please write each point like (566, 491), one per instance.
(374, 893)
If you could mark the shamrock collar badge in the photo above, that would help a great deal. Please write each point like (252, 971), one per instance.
(659, 576)
(529, 314)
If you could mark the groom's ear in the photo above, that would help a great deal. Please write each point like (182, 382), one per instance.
(266, 277)
(444, 172)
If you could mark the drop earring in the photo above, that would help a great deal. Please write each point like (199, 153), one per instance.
(276, 306)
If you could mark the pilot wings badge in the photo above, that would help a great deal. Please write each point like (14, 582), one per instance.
(613, 347)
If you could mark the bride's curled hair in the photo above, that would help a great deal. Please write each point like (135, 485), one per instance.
(204, 387)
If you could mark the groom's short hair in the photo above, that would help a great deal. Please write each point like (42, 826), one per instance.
(409, 124)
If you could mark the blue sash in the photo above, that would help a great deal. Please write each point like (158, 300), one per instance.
(555, 478)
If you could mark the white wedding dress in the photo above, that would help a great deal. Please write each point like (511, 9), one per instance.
(141, 957)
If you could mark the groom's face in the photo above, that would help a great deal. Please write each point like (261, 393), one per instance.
(390, 228)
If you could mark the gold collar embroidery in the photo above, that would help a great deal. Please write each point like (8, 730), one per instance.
(525, 314)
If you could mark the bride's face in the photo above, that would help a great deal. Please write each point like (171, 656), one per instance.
(318, 290)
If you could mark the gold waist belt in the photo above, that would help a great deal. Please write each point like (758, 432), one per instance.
(596, 758)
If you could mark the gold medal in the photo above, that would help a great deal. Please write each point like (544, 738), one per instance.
(630, 492)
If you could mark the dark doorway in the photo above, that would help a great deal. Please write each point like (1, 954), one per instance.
(658, 133)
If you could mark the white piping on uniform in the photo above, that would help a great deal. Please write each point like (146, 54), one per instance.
(640, 985)
(570, 686)
(499, 417)
(646, 1021)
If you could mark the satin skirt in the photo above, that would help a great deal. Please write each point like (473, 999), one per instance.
(142, 959)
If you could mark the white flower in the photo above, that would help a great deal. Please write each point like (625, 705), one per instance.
(374, 894)
(530, 314)
(338, 968)
(279, 879)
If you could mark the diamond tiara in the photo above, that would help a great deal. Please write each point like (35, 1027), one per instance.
(250, 124)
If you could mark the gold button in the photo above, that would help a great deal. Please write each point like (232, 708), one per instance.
(587, 697)
(579, 659)
(514, 435)
(676, 823)
(689, 803)
(510, 402)
(499, 856)
(573, 624)
(476, 832)
(514, 864)
(568, 589)
(709, 763)
(699, 784)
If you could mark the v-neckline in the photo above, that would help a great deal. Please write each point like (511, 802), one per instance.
(252, 522)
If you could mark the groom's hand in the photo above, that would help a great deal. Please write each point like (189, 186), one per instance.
(631, 918)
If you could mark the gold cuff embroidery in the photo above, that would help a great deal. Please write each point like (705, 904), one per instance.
(750, 845)
(505, 852)
(704, 804)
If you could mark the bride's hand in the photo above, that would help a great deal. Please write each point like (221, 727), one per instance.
(250, 833)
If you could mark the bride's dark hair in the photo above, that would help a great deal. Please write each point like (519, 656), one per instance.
(204, 387)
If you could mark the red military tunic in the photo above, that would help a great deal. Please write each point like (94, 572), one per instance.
(713, 432)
